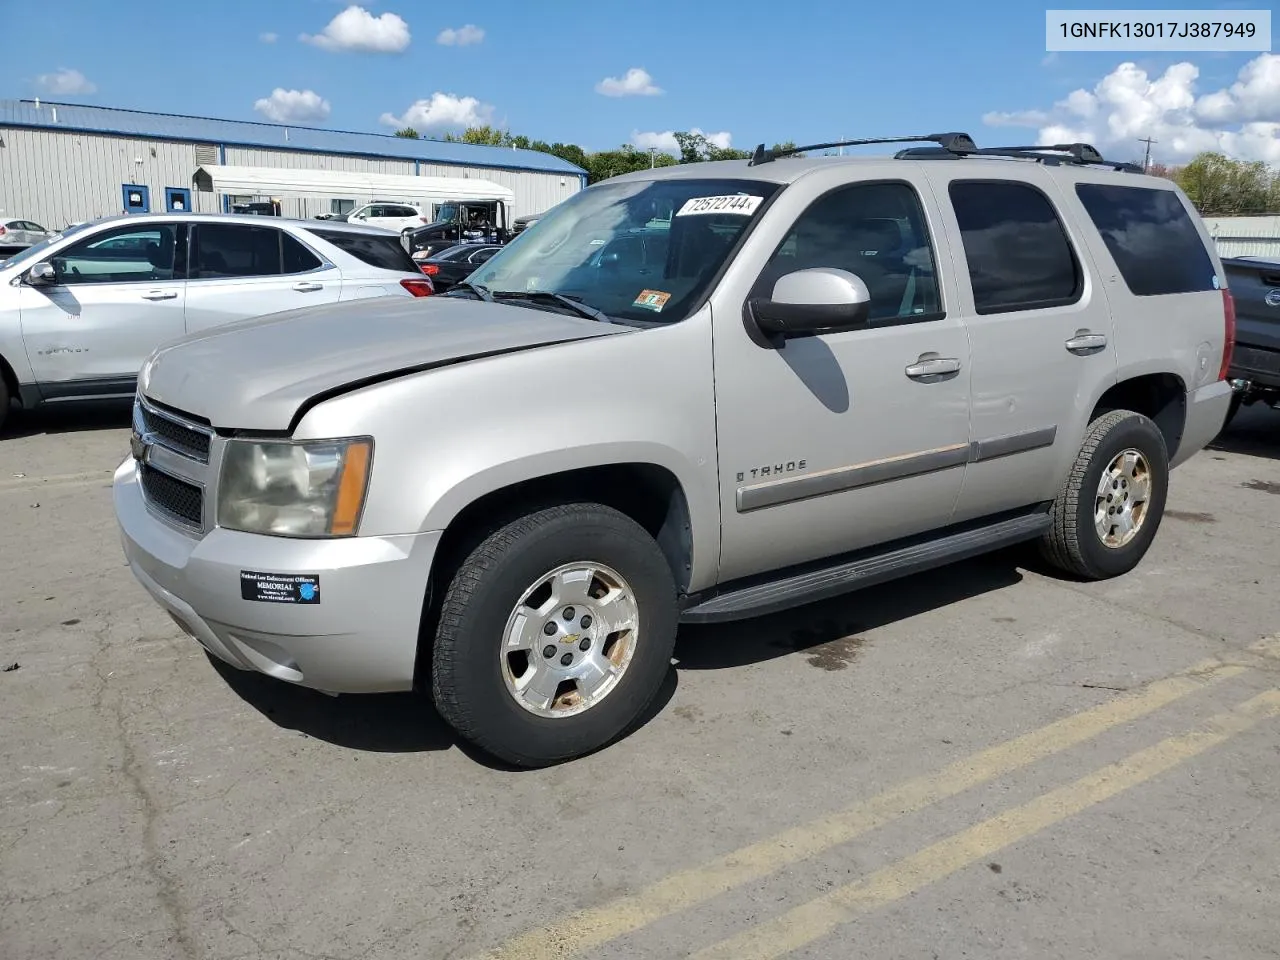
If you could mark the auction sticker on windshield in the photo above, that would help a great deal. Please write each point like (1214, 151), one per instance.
(739, 203)
(651, 299)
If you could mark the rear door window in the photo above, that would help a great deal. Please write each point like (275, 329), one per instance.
(235, 250)
(1151, 237)
(1017, 249)
(386, 252)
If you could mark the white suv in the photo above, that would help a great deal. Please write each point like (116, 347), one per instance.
(401, 217)
(80, 311)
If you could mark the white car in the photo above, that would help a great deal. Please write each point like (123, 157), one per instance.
(21, 233)
(82, 310)
(400, 217)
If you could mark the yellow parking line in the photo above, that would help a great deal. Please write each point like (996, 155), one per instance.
(815, 919)
(679, 891)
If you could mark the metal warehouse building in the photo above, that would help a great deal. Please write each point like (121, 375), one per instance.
(62, 163)
(1245, 236)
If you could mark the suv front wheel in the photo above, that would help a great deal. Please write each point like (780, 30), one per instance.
(1107, 512)
(554, 635)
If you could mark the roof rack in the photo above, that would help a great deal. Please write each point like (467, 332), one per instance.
(954, 143)
(1079, 154)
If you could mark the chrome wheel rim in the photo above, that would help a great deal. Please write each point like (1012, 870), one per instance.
(570, 639)
(1124, 491)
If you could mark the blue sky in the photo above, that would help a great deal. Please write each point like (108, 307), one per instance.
(801, 70)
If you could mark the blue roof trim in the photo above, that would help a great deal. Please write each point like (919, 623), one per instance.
(78, 118)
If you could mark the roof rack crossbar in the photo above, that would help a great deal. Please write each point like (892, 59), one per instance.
(953, 142)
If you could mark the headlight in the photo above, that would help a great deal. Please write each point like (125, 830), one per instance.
(305, 489)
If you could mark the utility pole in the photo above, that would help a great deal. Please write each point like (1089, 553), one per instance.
(653, 153)
(1146, 162)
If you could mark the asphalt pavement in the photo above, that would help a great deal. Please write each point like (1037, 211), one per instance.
(984, 761)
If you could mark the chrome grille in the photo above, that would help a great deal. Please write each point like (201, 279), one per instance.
(179, 435)
(182, 501)
(173, 451)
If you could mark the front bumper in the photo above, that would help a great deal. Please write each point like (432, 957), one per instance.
(1206, 413)
(360, 637)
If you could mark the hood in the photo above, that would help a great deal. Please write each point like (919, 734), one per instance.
(256, 374)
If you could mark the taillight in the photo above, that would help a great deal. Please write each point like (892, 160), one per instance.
(425, 219)
(431, 269)
(1229, 326)
(419, 288)
(3, 230)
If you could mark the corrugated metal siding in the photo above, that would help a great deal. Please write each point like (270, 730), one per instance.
(1245, 236)
(60, 178)
(138, 123)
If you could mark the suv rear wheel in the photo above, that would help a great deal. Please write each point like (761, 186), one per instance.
(554, 635)
(1108, 510)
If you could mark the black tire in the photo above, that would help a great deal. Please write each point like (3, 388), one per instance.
(5, 402)
(1073, 543)
(467, 682)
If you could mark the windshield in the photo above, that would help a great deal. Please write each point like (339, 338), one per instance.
(640, 250)
(446, 213)
(36, 250)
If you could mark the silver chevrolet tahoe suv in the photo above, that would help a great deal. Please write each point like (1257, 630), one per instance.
(690, 394)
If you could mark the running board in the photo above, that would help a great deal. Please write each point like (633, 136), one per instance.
(865, 571)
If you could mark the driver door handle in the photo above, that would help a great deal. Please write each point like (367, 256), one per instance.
(932, 367)
(1084, 342)
(161, 295)
(308, 286)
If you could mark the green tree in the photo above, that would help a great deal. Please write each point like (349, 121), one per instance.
(1220, 186)
(408, 133)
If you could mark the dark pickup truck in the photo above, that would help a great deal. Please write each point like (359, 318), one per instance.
(1254, 283)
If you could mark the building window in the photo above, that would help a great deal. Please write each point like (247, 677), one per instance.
(341, 207)
(137, 198)
(177, 200)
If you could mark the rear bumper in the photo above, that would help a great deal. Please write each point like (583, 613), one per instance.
(362, 635)
(1206, 413)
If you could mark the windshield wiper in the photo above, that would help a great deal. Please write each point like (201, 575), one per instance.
(546, 296)
(481, 292)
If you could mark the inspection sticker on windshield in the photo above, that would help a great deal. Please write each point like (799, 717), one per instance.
(653, 300)
(280, 587)
(739, 203)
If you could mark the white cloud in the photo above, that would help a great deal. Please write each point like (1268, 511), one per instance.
(666, 141)
(355, 28)
(1128, 103)
(635, 83)
(444, 111)
(293, 106)
(462, 37)
(65, 82)
(268, 37)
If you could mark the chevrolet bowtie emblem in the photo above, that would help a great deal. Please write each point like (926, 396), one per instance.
(569, 638)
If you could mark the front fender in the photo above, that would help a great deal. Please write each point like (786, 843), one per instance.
(447, 437)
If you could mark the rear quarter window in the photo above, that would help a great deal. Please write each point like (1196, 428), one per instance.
(1151, 237)
(383, 252)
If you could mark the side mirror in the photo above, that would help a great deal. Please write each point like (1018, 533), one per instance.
(41, 275)
(810, 302)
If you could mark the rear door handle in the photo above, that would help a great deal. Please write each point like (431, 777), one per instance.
(308, 286)
(1084, 342)
(927, 367)
(161, 295)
